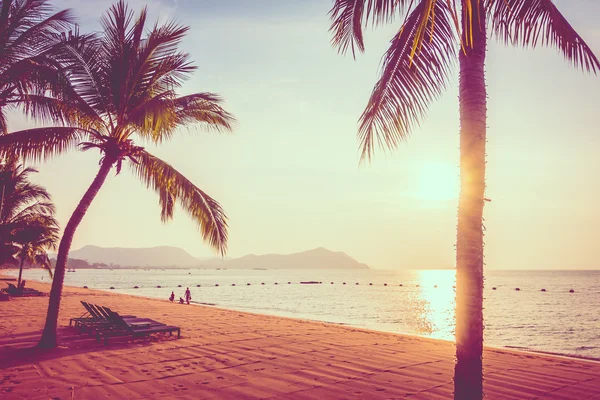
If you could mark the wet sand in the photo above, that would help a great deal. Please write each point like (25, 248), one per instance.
(224, 354)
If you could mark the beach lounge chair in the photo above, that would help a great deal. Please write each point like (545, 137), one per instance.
(93, 316)
(97, 318)
(134, 327)
(86, 316)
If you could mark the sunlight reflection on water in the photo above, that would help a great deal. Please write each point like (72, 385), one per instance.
(436, 299)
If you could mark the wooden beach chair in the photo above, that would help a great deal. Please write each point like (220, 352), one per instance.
(98, 318)
(134, 327)
(86, 316)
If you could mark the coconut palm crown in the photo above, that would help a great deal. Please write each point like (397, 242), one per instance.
(415, 71)
(124, 87)
(423, 53)
(30, 35)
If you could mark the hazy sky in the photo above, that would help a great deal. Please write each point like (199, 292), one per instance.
(289, 177)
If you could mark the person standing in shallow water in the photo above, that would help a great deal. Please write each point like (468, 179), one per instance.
(188, 295)
(172, 297)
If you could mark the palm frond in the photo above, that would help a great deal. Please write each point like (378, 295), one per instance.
(83, 59)
(173, 187)
(39, 144)
(415, 72)
(348, 17)
(346, 27)
(539, 23)
(18, 215)
(43, 33)
(157, 118)
(203, 108)
(27, 27)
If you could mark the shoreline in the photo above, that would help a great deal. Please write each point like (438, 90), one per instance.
(232, 354)
(523, 349)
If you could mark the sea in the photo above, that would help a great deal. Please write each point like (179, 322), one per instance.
(415, 302)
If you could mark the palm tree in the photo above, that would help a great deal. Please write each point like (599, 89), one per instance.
(29, 39)
(27, 224)
(124, 84)
(415, 71)
(39, 234)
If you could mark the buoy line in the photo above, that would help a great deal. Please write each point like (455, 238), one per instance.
(304, 283)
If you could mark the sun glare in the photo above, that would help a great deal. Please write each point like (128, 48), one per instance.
(437, 181)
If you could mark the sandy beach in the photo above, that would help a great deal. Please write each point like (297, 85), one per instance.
(226, 354)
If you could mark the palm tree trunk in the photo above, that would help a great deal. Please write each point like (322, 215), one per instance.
(21, 270)
(48, 339)
(468, 372)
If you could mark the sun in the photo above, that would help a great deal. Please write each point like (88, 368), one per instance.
(437, 181)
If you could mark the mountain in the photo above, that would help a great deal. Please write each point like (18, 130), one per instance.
(162, 256)
(319, 258)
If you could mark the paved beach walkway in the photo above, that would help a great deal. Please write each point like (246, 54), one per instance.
(227, 354)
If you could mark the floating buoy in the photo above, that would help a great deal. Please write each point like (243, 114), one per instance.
(494, 288)
(189, 273)
(217, 284)
(112, 288)
(435, 286)
(85, 287)
(517, 289)
(357, 283)
(543, 290)
(158, 286)
(178, 285)
(262, 283)
(385, 284)
(370, 284)
(571, 291)
(198, 285)
(400, 285)
(332, 283)
(248, 284)
(289, 283)
(233, 284)
(344, 283)
(418, 285)
(276, 283)
(136, 287)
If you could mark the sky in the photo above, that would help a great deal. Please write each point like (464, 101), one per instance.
(289, 176)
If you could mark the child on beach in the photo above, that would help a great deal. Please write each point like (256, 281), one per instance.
(181, 300)
(172, 297)
(188, 295)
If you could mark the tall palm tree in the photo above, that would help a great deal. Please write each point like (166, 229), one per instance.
(30, 35)
(124, 85)
(27, 224)
(415, 71)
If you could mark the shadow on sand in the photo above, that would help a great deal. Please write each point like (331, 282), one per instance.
(21, 349)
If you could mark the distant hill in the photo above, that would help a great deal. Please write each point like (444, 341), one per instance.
(162, 256)
(319, 258)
